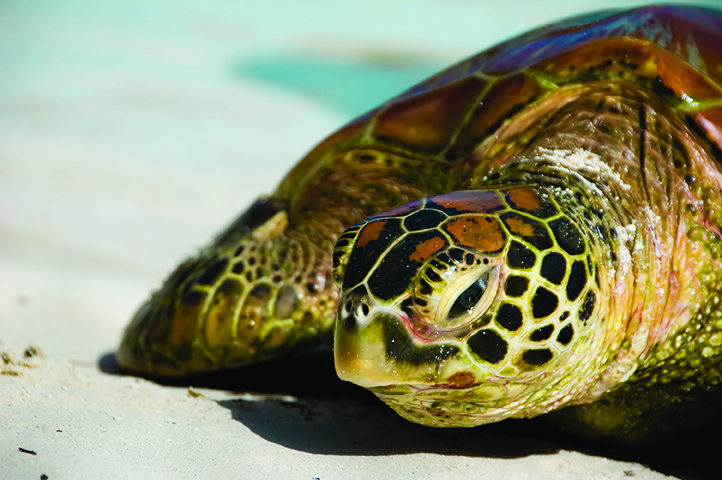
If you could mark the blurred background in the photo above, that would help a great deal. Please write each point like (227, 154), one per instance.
(132, 131)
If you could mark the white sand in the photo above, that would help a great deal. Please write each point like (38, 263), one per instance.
(130, 133)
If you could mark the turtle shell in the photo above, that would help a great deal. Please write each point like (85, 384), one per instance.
(264, 288)
(672, 50)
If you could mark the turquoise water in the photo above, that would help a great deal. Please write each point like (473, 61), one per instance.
(349, 88)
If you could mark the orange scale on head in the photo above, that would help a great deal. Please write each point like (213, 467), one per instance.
(520, 227)
(480, 232)
(528, 200)
(371, 232)
(427, 248)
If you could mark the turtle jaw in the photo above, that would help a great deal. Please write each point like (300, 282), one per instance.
(431, 383)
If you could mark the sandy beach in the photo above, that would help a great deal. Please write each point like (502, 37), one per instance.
(132, 132)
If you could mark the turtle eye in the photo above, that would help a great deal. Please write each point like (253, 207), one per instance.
(469, 298)
(466, 298)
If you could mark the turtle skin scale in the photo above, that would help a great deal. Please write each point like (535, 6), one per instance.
(551, 239)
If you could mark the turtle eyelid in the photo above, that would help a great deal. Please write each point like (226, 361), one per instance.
(469, 298)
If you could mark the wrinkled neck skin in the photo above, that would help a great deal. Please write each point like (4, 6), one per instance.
(634, 178)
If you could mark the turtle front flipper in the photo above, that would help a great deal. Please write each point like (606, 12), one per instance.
(252, 294)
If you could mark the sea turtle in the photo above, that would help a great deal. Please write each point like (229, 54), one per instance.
(551, 238)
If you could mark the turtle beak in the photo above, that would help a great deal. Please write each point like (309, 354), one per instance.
(374, 349)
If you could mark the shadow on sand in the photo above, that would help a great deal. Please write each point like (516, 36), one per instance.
(301, 404)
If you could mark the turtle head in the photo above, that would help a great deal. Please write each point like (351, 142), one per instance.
(466, 308)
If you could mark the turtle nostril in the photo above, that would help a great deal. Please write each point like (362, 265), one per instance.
(348, 322)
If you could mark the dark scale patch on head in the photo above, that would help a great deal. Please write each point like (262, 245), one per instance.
(542, 333)
(564, 316)
(533, 231)
(544, 303)
(554, 267)
(337, 256)
(432, 275)
(399, 266)
(565, 335)
(537, 357)
(444, 258)
(423, 219)
(238, 268)
(568, 236)
(457, 254)
(509, 316)
(350, 233)
(424, 287)
(373, 239)
(515, 286)
(342, 242)
(577, 280)
(401, 347)
(407, 307)
(519, 256)
(434, 262)
(488, 346)
(587, 306)
(212, 273)
(469, 259)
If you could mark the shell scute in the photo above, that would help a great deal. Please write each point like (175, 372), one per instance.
(693, 34)
(624, 56)
(503, 99)
(452, 112)
(429, 121)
